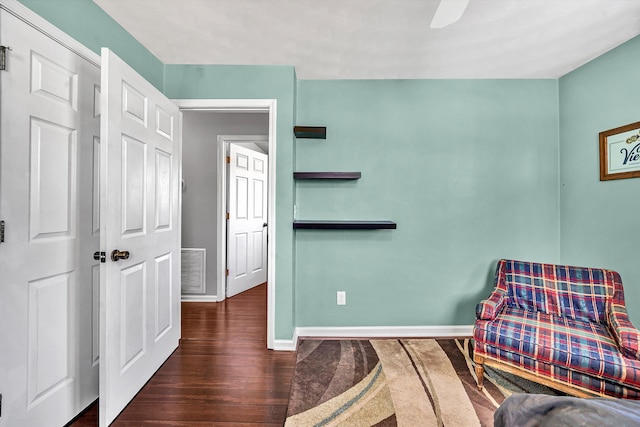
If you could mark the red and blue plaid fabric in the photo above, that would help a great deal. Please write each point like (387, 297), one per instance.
(489, 308)
(580, 293)
(566, 323)
(627, 336)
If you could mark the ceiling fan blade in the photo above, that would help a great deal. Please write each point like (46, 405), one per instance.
(448, 12)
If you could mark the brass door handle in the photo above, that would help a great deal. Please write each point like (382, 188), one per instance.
(117, 254)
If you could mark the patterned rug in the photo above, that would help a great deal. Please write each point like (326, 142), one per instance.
(391, 382)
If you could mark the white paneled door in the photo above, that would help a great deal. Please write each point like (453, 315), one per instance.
(140, 233)
(247, 225)
(49, 280)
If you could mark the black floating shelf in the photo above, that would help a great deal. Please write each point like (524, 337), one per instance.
(316, 132)
(343, 225)
(327, 175)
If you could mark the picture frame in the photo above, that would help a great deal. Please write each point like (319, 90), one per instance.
(620, 152)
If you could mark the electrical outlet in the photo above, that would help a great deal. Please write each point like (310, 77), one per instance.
(341, 298)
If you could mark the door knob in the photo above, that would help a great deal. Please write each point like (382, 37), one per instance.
(117, 254)
(99, 256)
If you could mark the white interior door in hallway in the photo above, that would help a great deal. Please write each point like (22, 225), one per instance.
(49, 148)
(140, 233)
(247, 225)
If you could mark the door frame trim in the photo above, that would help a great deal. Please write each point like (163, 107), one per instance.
(221, 210)
(248, 106)
(37, 22)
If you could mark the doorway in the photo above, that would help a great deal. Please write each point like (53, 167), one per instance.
(217, 212)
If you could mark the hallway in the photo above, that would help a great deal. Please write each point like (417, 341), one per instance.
(221, 374)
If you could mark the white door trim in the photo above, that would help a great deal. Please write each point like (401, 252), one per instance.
(31, 18)
(247, 106)
(221, 207)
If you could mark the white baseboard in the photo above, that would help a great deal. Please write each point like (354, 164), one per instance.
(386, 331)
(285, 345)
(198, 298)
(373, 332)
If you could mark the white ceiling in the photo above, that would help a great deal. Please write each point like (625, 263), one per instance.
(381, 39)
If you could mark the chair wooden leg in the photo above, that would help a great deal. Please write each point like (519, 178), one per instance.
(479, 361)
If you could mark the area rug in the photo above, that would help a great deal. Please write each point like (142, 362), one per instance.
(395, 382)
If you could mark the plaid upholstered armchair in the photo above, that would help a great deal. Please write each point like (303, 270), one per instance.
(562, 326)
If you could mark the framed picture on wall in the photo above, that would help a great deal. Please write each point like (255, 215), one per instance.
(620, 152)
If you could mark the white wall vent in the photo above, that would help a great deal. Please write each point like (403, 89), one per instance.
(194, 264)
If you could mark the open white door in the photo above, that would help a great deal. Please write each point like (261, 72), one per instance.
(247, 226)
(49, 131)
(140, 195)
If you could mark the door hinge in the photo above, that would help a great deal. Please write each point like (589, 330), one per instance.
(1, 231)
(227, 272)
(228, 159)
(227, 215)
(3, 57)
(100, 256)
(0, 404)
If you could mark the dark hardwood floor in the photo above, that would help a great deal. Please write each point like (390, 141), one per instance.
(221, 374)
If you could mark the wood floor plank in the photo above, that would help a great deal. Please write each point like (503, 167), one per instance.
(221, 374)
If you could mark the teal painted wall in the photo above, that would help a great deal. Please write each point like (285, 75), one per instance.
(599, 220)
(472, 171)
(467, 168)
(257, 82)
(91, 26)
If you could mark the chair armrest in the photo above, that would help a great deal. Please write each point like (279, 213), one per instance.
(489, 308)
(626, 335)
